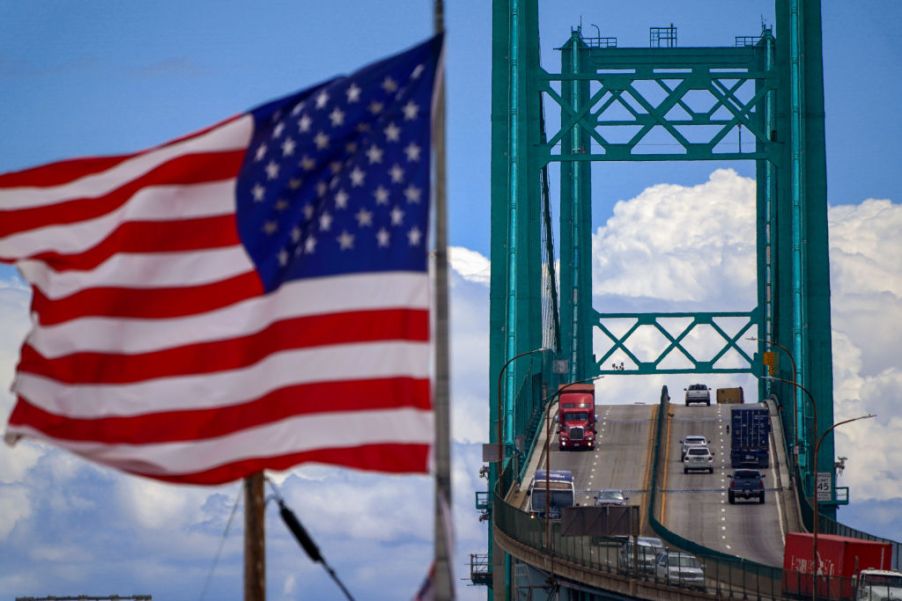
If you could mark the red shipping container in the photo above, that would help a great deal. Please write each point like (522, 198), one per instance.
(839, 559)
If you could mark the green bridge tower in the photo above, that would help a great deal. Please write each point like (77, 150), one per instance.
(767, 87)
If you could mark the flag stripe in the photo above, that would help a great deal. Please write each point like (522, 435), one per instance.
(289, 436)
(384, 457)
(224, 355)
(151, 237)
(232, 135)
(295, 299)
(190, 268)
(157, 203)
(199, 424)
(183, 170)
(371, 360)
(152, 303)
(61, 172)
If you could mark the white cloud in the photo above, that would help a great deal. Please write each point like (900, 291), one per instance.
(14, 507)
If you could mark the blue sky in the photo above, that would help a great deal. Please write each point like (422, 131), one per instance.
(109, 77)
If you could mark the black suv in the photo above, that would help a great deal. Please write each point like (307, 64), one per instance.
(746, 484)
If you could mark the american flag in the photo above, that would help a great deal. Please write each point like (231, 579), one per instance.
(251, 296)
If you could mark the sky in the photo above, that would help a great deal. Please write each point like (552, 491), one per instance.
(95, 77)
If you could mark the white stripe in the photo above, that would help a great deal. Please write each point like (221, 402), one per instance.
(294, 435)
(295, 299)
(234, 135)
(336, 363)
(155, 203)
(142, 271)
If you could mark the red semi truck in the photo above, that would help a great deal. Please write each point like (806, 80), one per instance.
(576, 417)
(841, 561)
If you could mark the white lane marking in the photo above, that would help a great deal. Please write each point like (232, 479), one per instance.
(723, 527)
(729, 547)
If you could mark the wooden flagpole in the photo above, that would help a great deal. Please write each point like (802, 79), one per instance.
(443, 585)
(254, 539)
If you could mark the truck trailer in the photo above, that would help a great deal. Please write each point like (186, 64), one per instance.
(847, 568)
(730, 396)
(576, 417)
(749, 436)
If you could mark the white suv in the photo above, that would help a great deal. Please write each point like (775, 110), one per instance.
(698, 458)
(693, 440)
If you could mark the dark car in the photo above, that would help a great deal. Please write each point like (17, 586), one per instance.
(746, 484)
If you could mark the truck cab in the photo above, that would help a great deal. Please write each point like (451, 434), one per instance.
(576, 417)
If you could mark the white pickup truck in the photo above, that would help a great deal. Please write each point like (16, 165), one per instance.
(698, 393)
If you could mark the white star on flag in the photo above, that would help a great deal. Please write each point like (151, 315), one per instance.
(325, 222)
(345, 241)
(337, 117)
(304, 123)
(374, 154)
(353, 93)
(414, 235)
(413, 152)
(410, 110)
(321, 99)
(392, 132)
(288, 147)
(383, 237)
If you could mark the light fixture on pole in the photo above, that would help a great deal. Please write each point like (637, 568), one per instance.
(500, 402)
(795, 409)
(817, 448)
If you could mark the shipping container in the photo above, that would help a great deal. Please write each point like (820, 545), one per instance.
(749, 436)
(840, 559)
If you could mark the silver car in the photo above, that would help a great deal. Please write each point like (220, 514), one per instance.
(698, 458)
(679, 568)
(640, 556)
(610, 496)
(693, 440)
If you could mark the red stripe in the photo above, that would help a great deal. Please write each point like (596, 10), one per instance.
(182, 170)
(69, 170)
(203, 424)
(393, 458)
(235, 353)
(150, 303)
(62, 172)
(150, 237)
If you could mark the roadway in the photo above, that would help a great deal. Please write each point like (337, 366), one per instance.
(619, 459)
(695, 505)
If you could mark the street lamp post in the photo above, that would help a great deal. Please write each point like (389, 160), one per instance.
(795, 409)
(817, 448)
(500, 402)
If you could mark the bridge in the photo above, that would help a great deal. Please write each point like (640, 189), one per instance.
(759, 100)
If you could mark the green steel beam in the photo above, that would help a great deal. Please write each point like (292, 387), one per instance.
(576, 218)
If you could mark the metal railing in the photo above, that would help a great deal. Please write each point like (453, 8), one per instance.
(725, 576)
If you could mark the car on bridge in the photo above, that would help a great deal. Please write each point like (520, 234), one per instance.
(639, 555)
(698, 393)
(610, 497)
(679, 568)
(693, 440)
(698, 458)
(746, 484)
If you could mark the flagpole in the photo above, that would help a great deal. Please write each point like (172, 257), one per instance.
(254, 539)
(444, 589)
